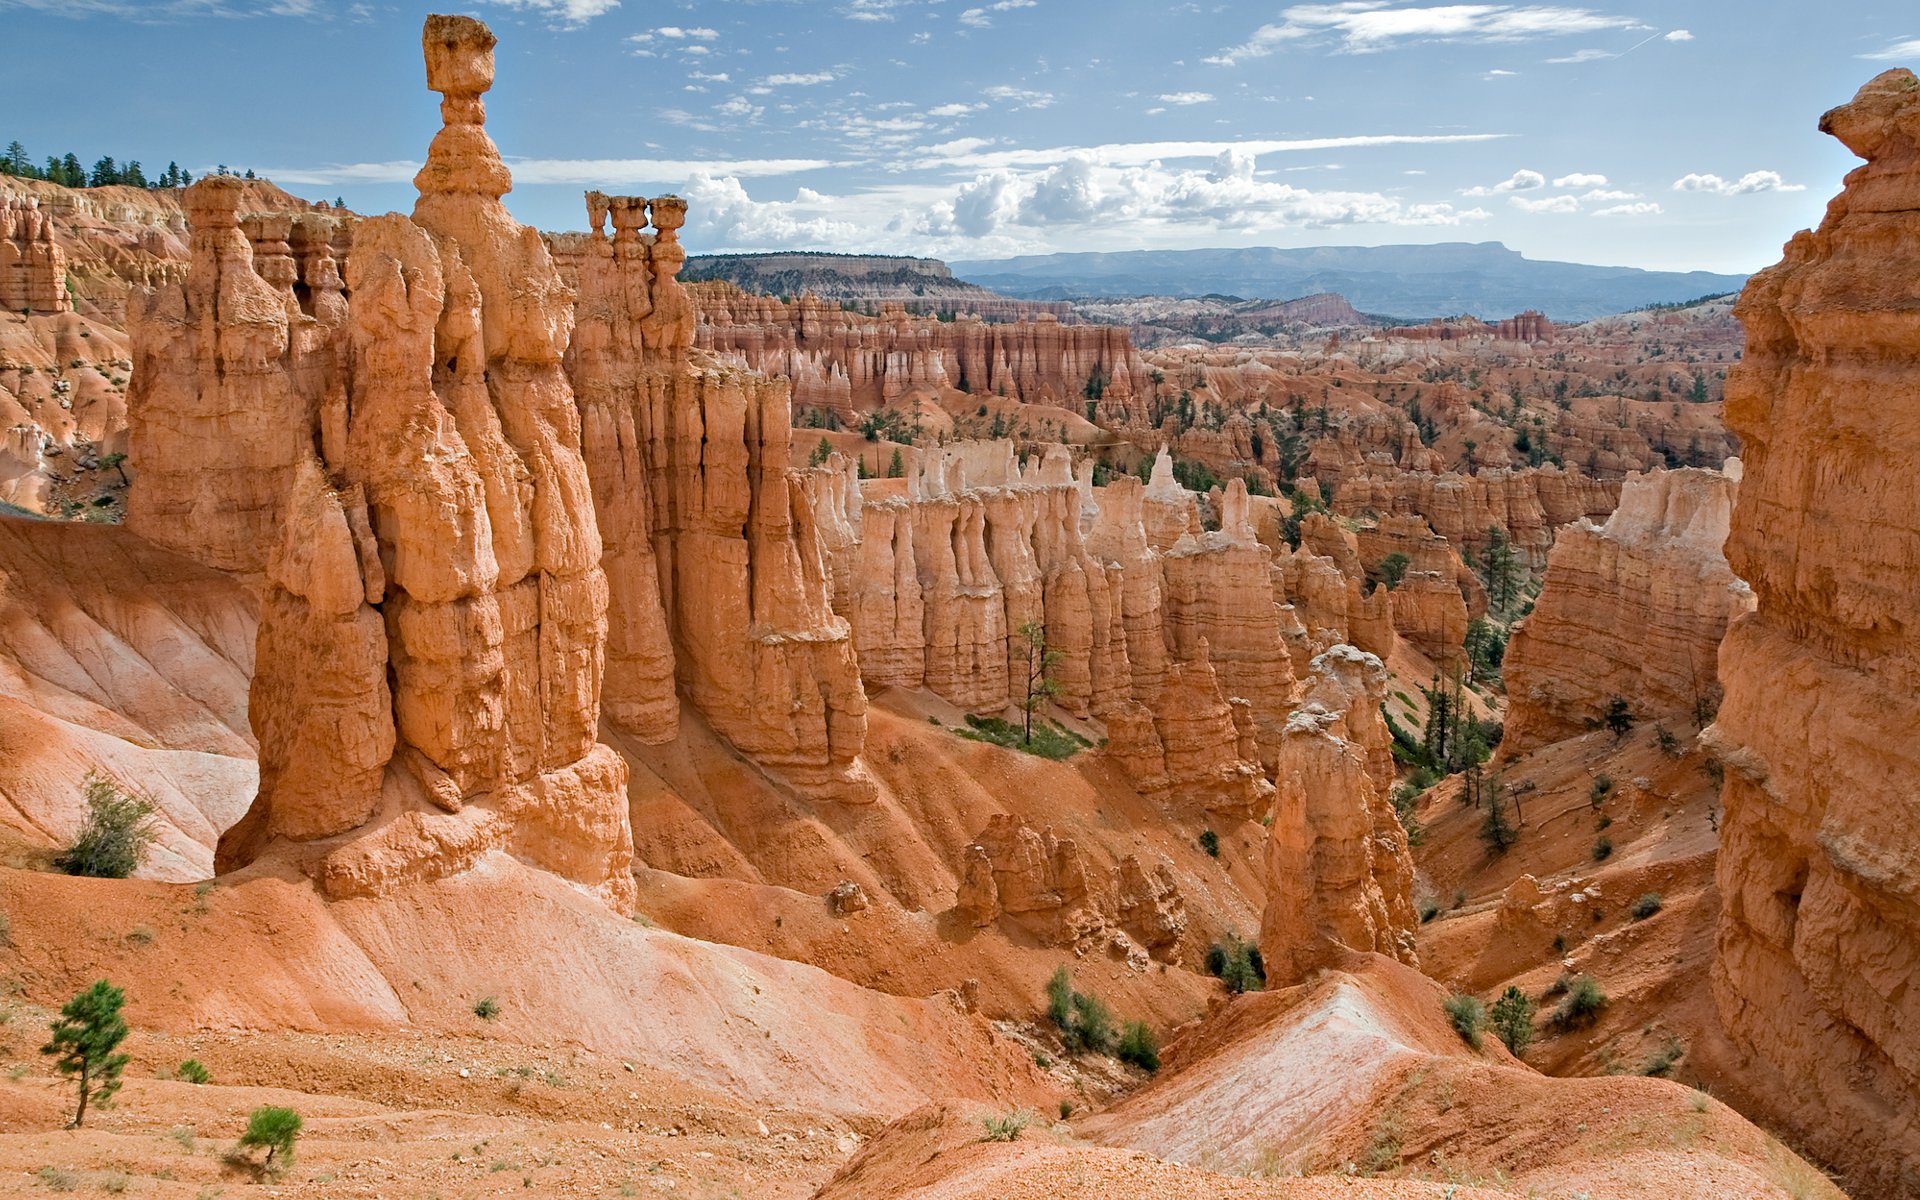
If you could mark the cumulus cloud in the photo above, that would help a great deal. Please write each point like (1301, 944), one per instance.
(1227, 195)
(1746, 185)
(1583, 56)
(792, 80)
(1642, 209)
(1580, 179)
(724, 216)
(1362, 26)
(953, 110)
(1679, 35)
(586, 172)
(1187, 97)
(166, 10)
(1551, 204)
(1522, 180)
(1143, 153)
(871, 10)
(1598, 195)
(1899, 51)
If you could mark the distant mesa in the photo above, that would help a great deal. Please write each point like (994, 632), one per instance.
(1480, 279)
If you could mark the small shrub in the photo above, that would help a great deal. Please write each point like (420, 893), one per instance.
(1646, 906)
(118, 831)
(1066, 1109)
(1661, 1063)
(1093, 1027)
(193, 1071)
(1581, 1005)
(1469, 1017)
(275, 1128)
(183, 1135)
(1007, 1127)
(1669, 744)
(1237, 964)
(1060, 999)
(1210, 842)
(1139, 1046)
(486, 1008)
(1602, 786)
(58, 1179)
(1512, 1019)
(1428, 911)
(1619, 717)
(1603, 849)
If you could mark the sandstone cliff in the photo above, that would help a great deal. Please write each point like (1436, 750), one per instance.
(1820, 931)
(1635, 609)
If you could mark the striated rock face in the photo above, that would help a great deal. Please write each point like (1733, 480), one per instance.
(1339, 874)
(1819, 874)
(848, 362)
(33, 269)
(1635, 608)
(1529, 504)
(717, 566)
(396, 459)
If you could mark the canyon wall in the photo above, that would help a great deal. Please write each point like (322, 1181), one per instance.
(33, 269)
(847, 362)
(1819, 875)
(1635, 609)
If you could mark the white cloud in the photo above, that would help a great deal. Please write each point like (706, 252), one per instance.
(1522, 180)
(723, 216)
(1187, 97)
(953, 110)
(1082, 191)
(1642, 209)
(1679, 35)
(1601, 195)
(1746, 185)
(1361, 26)
(1580, 179)
(569, 12)
(1144, 153)
(1020, 97)
(1498, 73)
(1552, 204)
(1584, 56)
(871, 10)
(978, 18)
(1908, 49)
(606, 172)
(806, 80)
(739, 107)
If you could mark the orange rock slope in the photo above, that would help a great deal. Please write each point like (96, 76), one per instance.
(1820, 930)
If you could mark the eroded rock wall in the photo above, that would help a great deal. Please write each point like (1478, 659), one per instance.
(1819, 871)
(1635, 609)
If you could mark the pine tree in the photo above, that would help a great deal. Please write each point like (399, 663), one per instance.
(85, 1037)
(105, 173)
(16, 162)
(1040, 684)
(1495, 830)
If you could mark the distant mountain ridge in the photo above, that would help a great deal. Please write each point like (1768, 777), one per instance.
(1484, 279)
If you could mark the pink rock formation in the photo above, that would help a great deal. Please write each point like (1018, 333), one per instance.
(1529, 504)
(401, 470)
(1819, 877)
(1339, 874)
(1635, 609)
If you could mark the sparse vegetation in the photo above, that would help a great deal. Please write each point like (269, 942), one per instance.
(1048, 739)
(1139, 1046)
(1007, 1127)
(1512, 1019)
(1393, 568)
(276, 1129)
(1084, 1021)
(1468, 1016)
(192, 1071)
(1581, 1004)
(1495, 830)
(1237, 964)
(116, 836)
(1603, 849)
(1210, 842)
(1661, 1063)
(1619, 718)
(1601, 789)
(486, 1008)
(1647, 905)
(85, 1038)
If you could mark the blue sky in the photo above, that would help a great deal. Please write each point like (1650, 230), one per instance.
(1668, 135)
